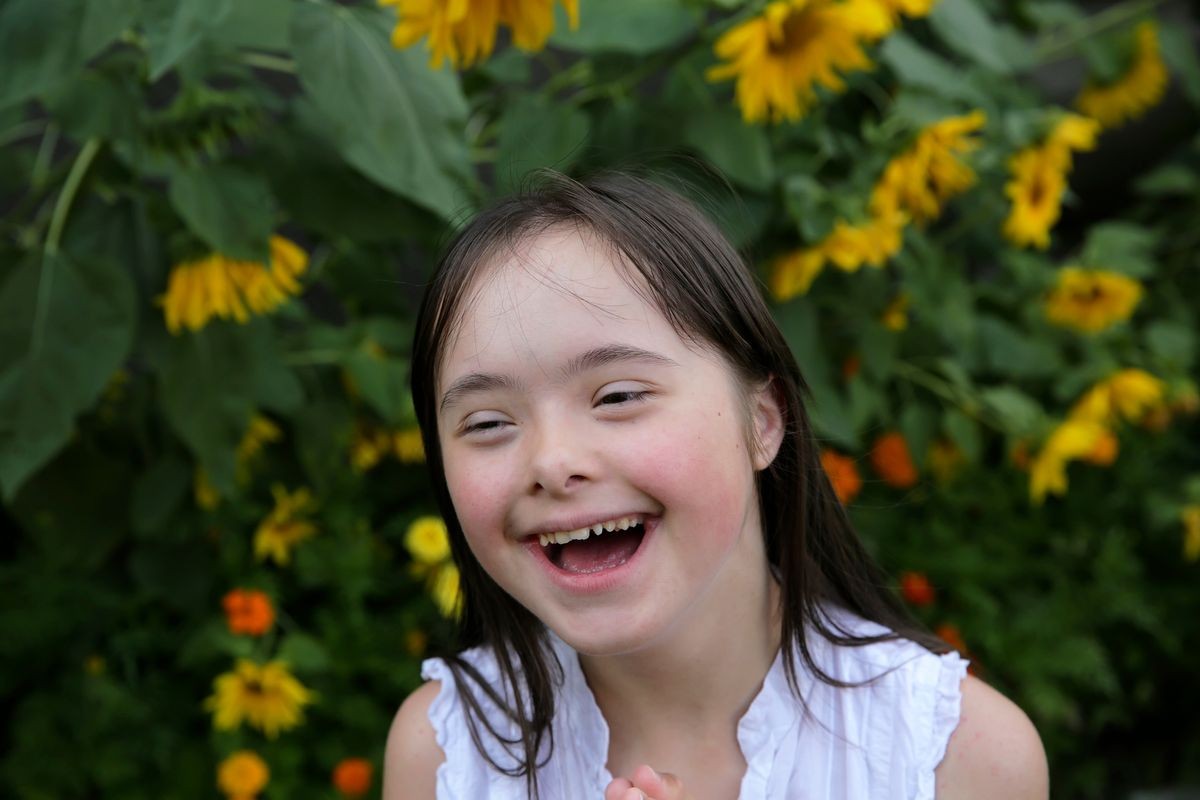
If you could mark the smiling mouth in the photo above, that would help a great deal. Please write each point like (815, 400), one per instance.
(597, 552)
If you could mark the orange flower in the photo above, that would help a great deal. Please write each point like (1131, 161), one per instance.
(916, 589)
(948, 632)
(843, 475)
(891, 460)
(352, 776)
(248, 612)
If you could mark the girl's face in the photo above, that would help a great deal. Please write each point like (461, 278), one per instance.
(568, 401)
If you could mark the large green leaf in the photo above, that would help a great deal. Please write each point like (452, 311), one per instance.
(231, 209)
(393, 118)
(260, 24)
(66, 325)
(535, 133)
(829, 412)
(966, 29)
(1013, 354)
(211, 383)
(626, 26)
(175, 27)
(43, 42)
(741, 151)
(918, 67)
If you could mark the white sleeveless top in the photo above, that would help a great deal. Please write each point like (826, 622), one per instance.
(877, 742)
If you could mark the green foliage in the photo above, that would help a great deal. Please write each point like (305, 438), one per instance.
(140, 135)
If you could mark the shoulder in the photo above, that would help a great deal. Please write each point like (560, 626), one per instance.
(412, 755)
(994, 752)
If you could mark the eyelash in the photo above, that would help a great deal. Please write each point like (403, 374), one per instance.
(493, 424)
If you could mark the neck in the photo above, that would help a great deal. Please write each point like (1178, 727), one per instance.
(700, 676)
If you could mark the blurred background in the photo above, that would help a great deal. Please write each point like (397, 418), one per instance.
(221, 563)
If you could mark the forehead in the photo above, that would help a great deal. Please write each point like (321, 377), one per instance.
(546, 298)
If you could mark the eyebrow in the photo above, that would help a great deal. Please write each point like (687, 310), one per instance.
(591, 359)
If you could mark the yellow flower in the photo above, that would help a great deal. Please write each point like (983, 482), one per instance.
(217, 286)
(1072, 440)
(1039, 180)
(242, 775)
(369, 446)
(872, 242)
(445, 590)
(259, 433)
(945, 459)
(427, 540)
(1091, 300)
(464, 31)
(779, 57)
(792, 274)
(1104, 453)
(1191, 531)
(264, 696)
(408, 446)
(1141, 87)
(895, 316)
(909, 8)
(1129, 394)
(204, 493)
(921, 179)
(283, 528)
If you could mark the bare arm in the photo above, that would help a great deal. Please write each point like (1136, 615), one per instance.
(994, 753)
(412, 755)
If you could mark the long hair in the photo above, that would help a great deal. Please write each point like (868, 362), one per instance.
(703, 288)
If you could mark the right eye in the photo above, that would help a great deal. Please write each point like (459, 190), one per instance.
(483, 426)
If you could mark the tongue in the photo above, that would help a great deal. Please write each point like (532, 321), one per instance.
(600, 552)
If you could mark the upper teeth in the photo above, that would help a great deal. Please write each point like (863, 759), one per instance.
(562, 537)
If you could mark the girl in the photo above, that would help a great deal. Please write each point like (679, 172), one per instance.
(662, 596)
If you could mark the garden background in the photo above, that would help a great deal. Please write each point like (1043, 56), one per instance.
(977, 222)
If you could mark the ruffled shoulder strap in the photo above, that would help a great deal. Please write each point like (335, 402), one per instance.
(466, 774)
(937, 707)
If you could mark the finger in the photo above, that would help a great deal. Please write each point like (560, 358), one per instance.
(621, 789)
(659, 785)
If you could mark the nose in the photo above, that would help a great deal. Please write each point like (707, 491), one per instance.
(560, 461)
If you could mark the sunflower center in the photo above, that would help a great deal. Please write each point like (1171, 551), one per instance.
(800, 30)
(254, 687)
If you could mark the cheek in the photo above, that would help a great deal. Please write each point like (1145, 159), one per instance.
(477, 494)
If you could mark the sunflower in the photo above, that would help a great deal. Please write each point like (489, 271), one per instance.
(779, 57)
(1039, 180)
(1074, 439)
(1091, 300)
(871, 242)
(264, 696)
(242, 775)
(1130, 96)
(792, 274)
(217, 286)
(464, 31)
(284, 527)
(1129, 394)
(920, 180)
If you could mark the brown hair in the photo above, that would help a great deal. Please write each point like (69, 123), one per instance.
(700, 284)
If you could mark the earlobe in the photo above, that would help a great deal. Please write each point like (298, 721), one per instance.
(768, 424)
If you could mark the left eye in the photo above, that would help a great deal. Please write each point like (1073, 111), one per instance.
(616, 398)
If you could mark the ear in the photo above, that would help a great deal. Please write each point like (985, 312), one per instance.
(767, 407)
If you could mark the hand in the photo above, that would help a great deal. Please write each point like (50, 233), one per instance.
(646, 784)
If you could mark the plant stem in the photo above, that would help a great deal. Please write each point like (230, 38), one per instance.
(1055, 47)
(267, 61)
(67, 195)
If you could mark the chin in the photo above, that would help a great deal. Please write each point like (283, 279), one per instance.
(605, 637)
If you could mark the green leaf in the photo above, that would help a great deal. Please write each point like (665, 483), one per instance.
(1012, 354)
(66, 325)
(1169, 179)
(808, 202)
(965, 28)
(1179, 51)
(918, 423)
(964, 432)
(535, 133)
(382, 382)
(175, 27)
(828, 409)
(918, 67)
(390, 116)
(1122, 246)
(1019, 413)
(158, 492)
(231, 209)
(96, 105)
(211, 383)
(261, 24)
(739, 150)
(304, 653)
(44, 42)
(1173, 343)
(626, 26)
